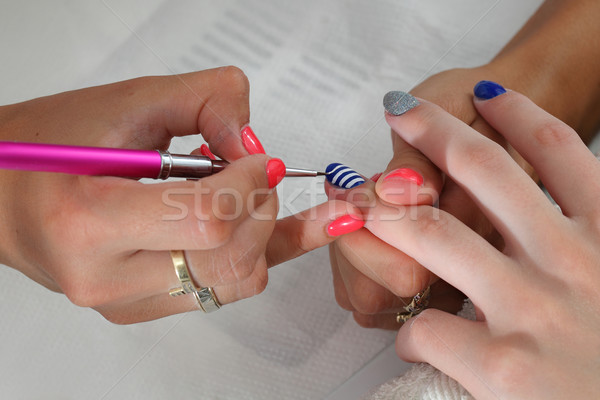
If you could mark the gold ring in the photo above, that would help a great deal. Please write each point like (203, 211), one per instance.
(206, 297)
(183, 274)
(417, 305)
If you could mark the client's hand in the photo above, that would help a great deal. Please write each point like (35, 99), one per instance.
(105, 242)
(410, 178)
(537, 301)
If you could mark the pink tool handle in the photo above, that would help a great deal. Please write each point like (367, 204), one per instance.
(80, 160)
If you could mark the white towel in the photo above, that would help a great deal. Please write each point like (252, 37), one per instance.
(423, 381)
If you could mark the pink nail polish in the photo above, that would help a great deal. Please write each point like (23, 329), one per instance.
(344, 225)
(405, 174)
(376, 177)
(275, 172)
(205, 151)
(251, 142)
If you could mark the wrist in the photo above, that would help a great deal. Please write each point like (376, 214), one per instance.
(555, 60)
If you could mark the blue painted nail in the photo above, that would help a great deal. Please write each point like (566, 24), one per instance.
(397, 103)
(486, 90)
(342, 176)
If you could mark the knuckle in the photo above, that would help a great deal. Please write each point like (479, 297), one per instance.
(226, 204)
(553, 133)
(297, 240)
(233, 269)
(342, 300)
(120, 316)
(83, 292)
(243, 270)
(504, 363)
(406, 283)
(60, 234)
(365, 321)
(115, 317)
(261, 280)
(406, 287)
(367, 302)
(432, 224)
(234, 78)
(477, 157)
(212, 233)
(256, 283)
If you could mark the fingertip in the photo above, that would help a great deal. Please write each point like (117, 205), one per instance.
(407, 186)
(250, 141)
(398, 102)
(343, 177)
(275, 172)
(409, 340)
(205, 151)
(486, 90)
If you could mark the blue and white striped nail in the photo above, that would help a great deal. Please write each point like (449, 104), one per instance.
(342, 176)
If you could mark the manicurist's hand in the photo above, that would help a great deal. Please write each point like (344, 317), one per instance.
(105, 242)
(537, 300)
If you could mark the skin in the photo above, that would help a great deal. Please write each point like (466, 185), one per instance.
(104, 241)
(535, 335)
(563, 81)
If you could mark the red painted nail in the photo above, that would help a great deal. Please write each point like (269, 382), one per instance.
(405, 174)
(344, 225)
(251, 142)
(376, 177)
(275, 171)
(205, 151)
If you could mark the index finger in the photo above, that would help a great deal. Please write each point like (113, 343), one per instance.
(542, 138)
(311, 229)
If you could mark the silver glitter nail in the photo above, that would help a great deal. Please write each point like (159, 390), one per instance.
(397, 103)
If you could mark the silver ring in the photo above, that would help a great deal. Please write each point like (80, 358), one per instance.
(207, 299)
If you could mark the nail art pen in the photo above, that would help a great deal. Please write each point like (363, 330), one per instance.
(101, 161)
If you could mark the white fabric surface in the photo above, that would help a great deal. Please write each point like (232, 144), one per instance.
(318, 71)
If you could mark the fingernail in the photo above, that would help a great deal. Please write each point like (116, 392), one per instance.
(400, 186)
(397, 103)
(406, 175)
(486, 90)
(251, 142)
(376, 177)
(344, 225)
(205, 151)
(275, 171)
(343, 177)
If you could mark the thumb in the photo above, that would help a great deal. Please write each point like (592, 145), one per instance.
(311, 229)
(410, 178)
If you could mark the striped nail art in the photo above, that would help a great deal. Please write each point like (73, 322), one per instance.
(342, 176)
